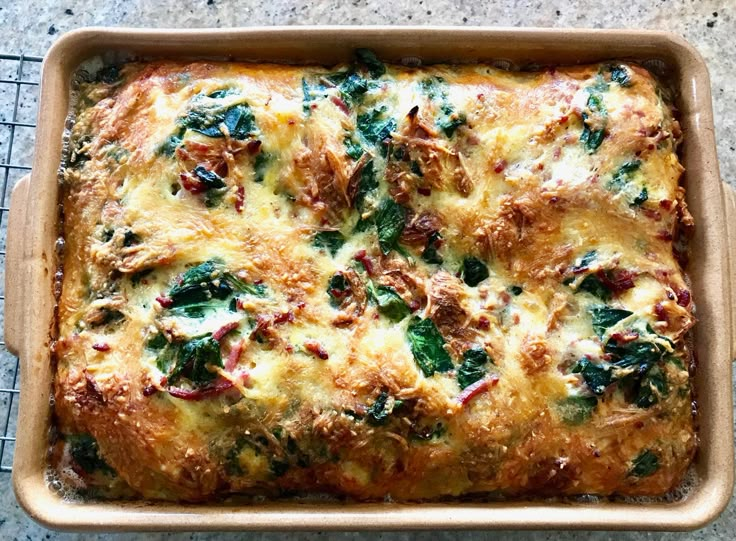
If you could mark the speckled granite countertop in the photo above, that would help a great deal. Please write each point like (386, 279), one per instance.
(31, 26)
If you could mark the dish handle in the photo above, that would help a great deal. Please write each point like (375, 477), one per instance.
(729, 196)
(15, 267)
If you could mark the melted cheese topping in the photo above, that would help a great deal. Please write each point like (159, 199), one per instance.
(373, 281)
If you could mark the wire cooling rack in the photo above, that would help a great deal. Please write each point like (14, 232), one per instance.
(19, 80)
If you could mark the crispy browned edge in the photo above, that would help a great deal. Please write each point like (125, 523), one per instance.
(33, 229)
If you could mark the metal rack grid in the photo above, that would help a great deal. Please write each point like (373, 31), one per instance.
(19, 82)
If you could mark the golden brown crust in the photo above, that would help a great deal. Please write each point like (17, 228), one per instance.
(425, 283)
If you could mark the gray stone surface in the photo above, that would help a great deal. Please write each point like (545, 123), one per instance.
(30, 26)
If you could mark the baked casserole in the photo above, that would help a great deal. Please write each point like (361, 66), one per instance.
(373, 281)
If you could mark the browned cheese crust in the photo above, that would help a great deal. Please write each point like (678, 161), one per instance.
(373, 281)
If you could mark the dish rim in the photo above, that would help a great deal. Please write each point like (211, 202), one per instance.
(31, 237)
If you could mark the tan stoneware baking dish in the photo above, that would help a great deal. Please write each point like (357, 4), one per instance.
(31, 264)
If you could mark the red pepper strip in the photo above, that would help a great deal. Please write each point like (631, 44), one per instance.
(480, 386)
(220, 333)
(340, 104)
(363, 258)
(196, 146)
(232, 359)
(625, 337)
(101, 346)
(253, 146)
(216, 388)
(165, 302)
(283, 317)
(621, 280)
(316, 348)
(191, 184)
(240, 199)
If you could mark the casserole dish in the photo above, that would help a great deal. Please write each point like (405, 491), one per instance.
(33, 231)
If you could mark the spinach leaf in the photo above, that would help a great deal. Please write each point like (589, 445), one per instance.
(109, 74)
(390, 303)
(257, 290)
(593, 285)
(337, 289)
(166, 358)
(86, 453)
(311, 93)
(575, 410)
(375, 129)
(390, 219)
(157, 341)
(278, 467)
(376, 68)
(638, 353)
(210, 179)
(642, 198)
(207, 281)
(596, 376)
(449, 121)
(586, 260)
(213, 198)
(168, 147)
(196, 275)
(433, 87)
(645, 464)
(623, 175)
(196, 285)
(353, 148)
(260, 164)
(620, 75)
(431, 254)
(352, 87)
(377, 414)
(221, 93)
(206, 119)
(130, 238)
(192, 360)
(366, 187)
(634, 367)
(605, 317)
(473, 271)
(592, 138)
(473, 367)
(331, 241)
(427, 346)
(651, 387)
